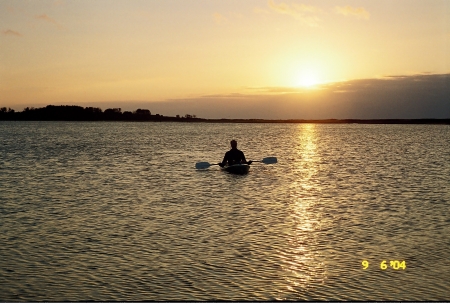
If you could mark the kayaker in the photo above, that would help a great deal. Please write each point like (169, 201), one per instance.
(234, 156)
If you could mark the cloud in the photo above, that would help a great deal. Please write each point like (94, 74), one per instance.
(391, 97)
(305, 13)
(357, 12)
(232, 95)
(46, 18)
(11, 33)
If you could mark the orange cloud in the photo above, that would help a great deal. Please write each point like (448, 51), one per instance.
(46, 18)
(357, 12)
(11, 33)
(305, 13)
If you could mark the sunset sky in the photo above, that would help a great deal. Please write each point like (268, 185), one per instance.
(229, 58)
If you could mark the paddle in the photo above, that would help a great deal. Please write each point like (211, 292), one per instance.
(203, 165)
(267, 161)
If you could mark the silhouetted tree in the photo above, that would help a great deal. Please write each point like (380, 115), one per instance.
(3, 113)
(113, 111)
(7, 113)
(113, 114)
(92, 110)
(91, 113)
(127, 115)
(143, 112)
(77, 113)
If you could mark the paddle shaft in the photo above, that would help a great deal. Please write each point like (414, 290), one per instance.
(267, 160)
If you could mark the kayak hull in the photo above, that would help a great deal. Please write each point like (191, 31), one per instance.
(237, 169)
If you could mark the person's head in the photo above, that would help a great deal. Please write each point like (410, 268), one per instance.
(233, 144)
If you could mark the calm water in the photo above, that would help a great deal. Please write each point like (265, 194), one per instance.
(117, 212)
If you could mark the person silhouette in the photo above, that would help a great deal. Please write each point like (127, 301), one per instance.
(234, 156)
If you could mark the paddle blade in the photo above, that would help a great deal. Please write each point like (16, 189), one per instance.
(269, 160)
(202, 165)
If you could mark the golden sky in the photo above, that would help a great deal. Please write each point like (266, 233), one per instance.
(123, 51)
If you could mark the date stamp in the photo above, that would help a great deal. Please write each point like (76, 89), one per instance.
(396, 265)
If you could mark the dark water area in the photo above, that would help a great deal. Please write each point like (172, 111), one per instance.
(115, 211)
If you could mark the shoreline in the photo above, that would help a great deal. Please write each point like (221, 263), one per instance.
(77, 113)
(424, 121)
(336, 121)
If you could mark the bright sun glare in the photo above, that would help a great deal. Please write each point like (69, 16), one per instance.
(308, 79)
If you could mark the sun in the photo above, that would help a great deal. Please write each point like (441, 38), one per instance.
(308, 79)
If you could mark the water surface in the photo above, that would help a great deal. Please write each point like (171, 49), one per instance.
(111, 211)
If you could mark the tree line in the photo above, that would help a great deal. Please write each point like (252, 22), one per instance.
(77, 113)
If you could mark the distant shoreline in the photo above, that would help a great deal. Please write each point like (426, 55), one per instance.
(77, 113)
(336, 121)
(432, 121)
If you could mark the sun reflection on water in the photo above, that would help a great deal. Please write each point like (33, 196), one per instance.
(303, 264)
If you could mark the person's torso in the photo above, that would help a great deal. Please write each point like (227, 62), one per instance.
(234, 156)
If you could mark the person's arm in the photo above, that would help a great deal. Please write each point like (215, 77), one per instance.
(244, 160)
(224, 161)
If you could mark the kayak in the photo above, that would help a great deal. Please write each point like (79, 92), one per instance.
(237, 169)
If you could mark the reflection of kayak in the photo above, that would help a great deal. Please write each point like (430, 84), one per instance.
(237, 169)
